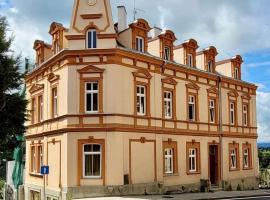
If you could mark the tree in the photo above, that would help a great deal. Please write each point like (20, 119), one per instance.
(12, 98)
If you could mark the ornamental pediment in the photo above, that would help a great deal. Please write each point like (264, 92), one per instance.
(169, 80)
(90, 69)
(36, 87)
(192, 85)
(233, 93)
(142, 74)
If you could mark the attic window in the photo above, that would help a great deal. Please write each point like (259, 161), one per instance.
(190, 60)
(210, 66)
(167, 53)
(92, 39)
(140, 44)
(236, 73)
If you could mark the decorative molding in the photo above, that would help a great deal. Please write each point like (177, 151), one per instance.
(53, 78)
(91, 16)
(213, 90)
(169, 80)
(90, 69)
(142, 74)
(36, 87)
(233, 93)
(192, 85)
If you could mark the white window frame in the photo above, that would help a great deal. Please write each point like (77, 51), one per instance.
(33, 159)
(40, 151)
(210, 66)
(168, 104)
(139, 44)
(192, 156)
(55, 101)
(93, 39)
(92, 153)
(92, 92)
(232, 113)
(190, 60)
(233, 155)
(245, 115)
(168, 158)
(141, 95)
(246, 157)
(167, 53)
(192, 102)
(236, 73)
(41, 104)
(212, 110)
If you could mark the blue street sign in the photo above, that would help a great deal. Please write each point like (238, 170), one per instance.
(44, 170)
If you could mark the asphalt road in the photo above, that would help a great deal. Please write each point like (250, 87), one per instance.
(251, 198)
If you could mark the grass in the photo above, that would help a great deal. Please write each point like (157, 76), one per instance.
(2, 183)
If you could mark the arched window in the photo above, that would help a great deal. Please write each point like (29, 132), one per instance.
(91, 42)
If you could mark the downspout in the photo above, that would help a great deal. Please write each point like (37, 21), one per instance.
(220, 130)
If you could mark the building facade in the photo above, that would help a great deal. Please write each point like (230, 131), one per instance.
(119, 109)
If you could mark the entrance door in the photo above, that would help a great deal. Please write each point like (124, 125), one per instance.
(213, 164)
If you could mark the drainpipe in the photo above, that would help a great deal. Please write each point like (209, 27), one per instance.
(220, 129)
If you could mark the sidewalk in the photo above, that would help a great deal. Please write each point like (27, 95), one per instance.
(193, 196)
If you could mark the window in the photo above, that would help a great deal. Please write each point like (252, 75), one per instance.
(192, 160)
(56, 47)
(33, 159)
(210, 66)
(91, 39)
(212, 111)
(167, 53)
(245, 115)
(40, 108)
(34, 195)
(189, 60)
(40, 158)
(51, 198)
(233, 158)
(36, 159)
(191, 108)
(168, 161)
(91, 97)
(170, 157)
(246, 158)
(236, 73)
(33, 111)
(232, 113)
(141, 100)
(92, 160)
(54, 103)
(140, 44)
(168, 104)
(193, 157)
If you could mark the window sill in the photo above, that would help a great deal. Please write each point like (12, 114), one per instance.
(193, 173)
(170, 175)
(248, 168)
(234, 170)
(91, 178)
(36, 175)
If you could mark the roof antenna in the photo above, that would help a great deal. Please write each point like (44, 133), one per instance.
(135, 10)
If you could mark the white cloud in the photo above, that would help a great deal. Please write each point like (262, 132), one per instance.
(258, 64)
(263, 111)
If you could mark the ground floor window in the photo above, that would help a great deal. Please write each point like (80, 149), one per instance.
(34, 195)
(247, 156)
(92, 160)
(234, 156)
(193, 157)
(51, 198)
(170, 157)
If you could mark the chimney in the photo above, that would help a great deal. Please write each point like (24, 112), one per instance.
(122, 18)
(154, 32)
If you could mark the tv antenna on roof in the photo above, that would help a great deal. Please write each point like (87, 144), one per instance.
(135, 10)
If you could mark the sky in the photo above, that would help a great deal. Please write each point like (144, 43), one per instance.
(232, 26)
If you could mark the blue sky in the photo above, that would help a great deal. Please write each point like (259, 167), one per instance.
(233, 27)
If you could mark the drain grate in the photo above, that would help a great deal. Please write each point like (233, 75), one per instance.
(167, 197)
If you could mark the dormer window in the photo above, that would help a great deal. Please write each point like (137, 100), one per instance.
(189, 60)
(210, 66)
(140, 44)
(56, 47)
(236, 73)
(92, 39)
(167, 53)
